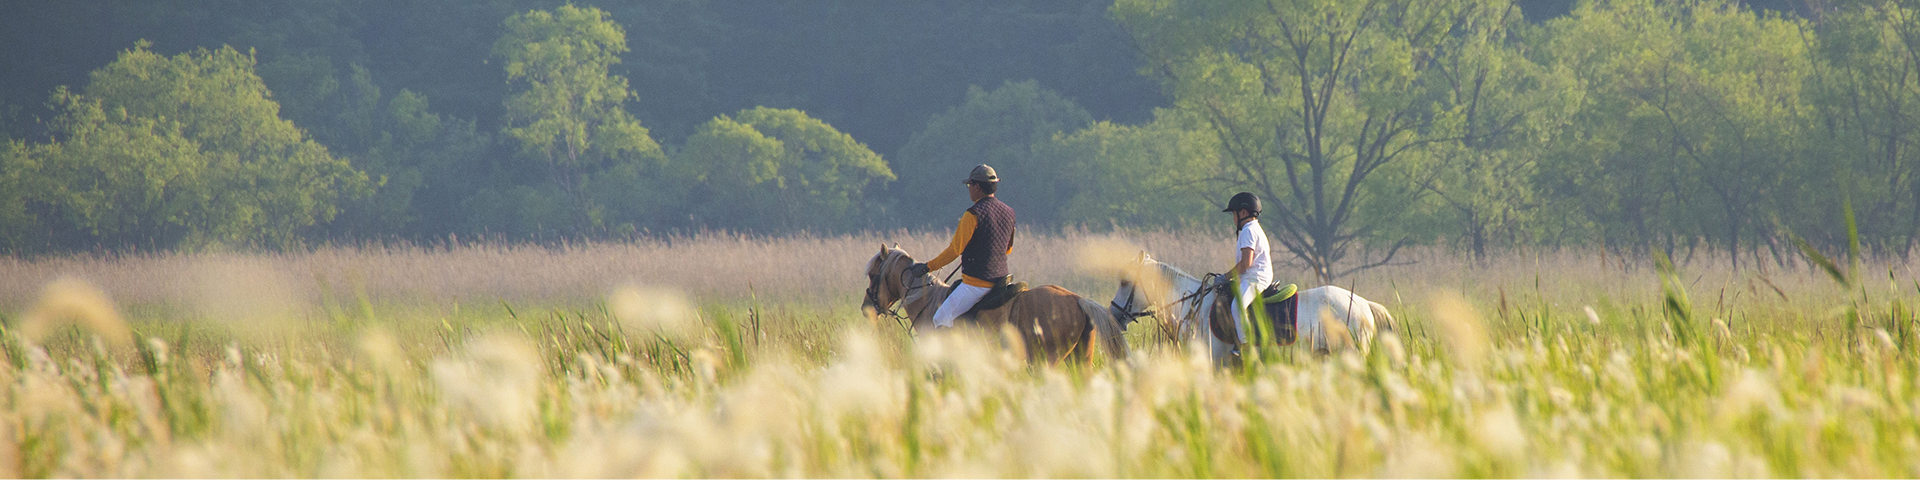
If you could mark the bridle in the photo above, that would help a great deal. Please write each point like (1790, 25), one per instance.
(1127, 310)
(892, 309)
(874, 280)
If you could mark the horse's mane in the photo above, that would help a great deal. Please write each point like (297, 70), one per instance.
(895, 254)
(1170, 271)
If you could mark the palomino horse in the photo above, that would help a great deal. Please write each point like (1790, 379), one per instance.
(1052, 322)
(1329, 317)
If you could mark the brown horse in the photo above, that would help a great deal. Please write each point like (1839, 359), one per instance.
(1052, 323)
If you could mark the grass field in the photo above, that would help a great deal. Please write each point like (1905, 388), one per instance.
(744, 356)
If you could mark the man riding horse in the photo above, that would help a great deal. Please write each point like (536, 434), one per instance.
(982, 242)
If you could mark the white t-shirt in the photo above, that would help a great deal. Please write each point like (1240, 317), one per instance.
(1252, 236)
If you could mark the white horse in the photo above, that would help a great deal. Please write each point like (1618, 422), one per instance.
(1330, 317)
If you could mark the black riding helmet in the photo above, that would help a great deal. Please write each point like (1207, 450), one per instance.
(1244, 201)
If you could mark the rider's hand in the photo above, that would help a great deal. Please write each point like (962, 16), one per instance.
(916, 270)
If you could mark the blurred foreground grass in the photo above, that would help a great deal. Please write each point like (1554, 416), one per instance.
(1513, 369)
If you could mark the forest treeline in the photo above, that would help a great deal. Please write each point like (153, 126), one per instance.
(1365, 126)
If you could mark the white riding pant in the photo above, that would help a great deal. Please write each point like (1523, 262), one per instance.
(1249, 291)
(962, 298)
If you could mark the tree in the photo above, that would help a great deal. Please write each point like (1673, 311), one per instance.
(1695, 125)
(427, 164)
(778, 169)
(1147, 175)
(20, 230)
(566, 109)
(1869, 95)
(998, 128)
(1309, 99)
(1503, 107)
(183, 151)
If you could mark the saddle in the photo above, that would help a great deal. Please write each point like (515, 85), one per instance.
(1280, 306)
(1002, 291)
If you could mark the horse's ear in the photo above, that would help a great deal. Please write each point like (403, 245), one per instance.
(883, 247)
(896, 244)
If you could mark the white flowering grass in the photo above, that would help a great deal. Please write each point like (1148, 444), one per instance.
(1506, 380)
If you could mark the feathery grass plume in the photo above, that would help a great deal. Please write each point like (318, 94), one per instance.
(1593, 317)
(494, 380)
(1754, 392)
(651, 309)
(72, 301)
(968, 357)
(1054, 436)
(158, 349)
(1396, 350)
(10, 451)
(1337, 337)
(1106, 255)
(251, 293)
(1721, 332)
(1113, 258)
(242, 414)
(1887, 345)
(859, 381)
(1466, 340)
(1498, 430)
(1418, 456)
(378, 347)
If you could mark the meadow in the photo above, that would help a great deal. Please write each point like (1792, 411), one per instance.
(741, 356)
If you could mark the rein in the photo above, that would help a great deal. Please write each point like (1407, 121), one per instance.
(893, 310)
(873, 291)
(1194, 310)
(1127, 310)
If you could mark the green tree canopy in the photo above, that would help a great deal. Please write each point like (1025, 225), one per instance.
(1310, 99)
(999, 128)
(183, 151)
(779, 169)
(1501, 107)
(1869, 91)
(565, 107)
(1148, 175)
(1694, 125)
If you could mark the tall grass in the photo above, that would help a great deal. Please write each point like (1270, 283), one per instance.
(732, 356)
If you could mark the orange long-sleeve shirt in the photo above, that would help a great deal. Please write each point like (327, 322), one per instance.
(961, 235)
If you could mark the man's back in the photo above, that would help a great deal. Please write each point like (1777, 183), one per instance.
(985, 256)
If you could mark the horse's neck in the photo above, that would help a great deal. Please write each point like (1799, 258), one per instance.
(1181, 299)
(1183, 284)
(922, 303)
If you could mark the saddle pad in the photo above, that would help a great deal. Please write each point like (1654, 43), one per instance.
(1282, 313)
(1275, 293)
(1285, 316)
(997, 296)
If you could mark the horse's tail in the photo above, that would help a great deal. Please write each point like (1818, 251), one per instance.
(1382, 319)
(1113, 339)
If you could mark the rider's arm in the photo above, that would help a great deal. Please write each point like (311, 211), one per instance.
(961, 235)
(1246, 244)
(1245, 263)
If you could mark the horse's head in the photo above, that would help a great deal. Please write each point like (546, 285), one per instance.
(882, 293)
(886, 278)
(1132, 300)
